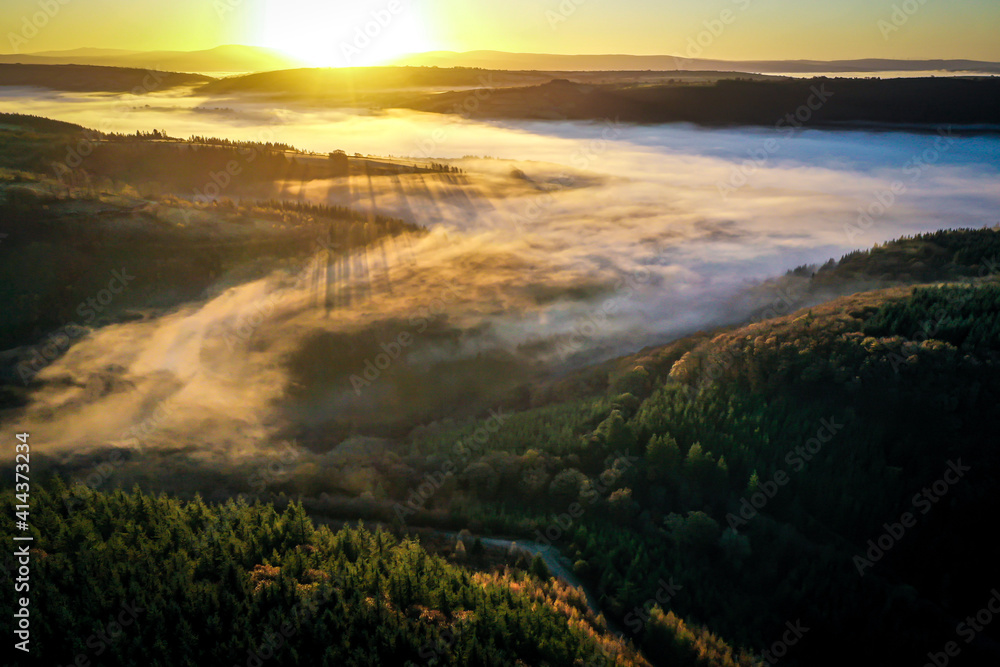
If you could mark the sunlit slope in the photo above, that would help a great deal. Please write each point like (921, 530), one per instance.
(226, 584)
(853, 407)
(334, 82)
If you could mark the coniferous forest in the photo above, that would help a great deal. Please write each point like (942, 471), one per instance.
(608, 394)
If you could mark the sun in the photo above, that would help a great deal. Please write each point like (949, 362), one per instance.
(341, 34)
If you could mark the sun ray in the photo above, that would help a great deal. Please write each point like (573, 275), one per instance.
(324, 34)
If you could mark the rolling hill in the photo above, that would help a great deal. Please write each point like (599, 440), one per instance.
(88, 78)
(231, 58)
(894, 102)
(619, 62)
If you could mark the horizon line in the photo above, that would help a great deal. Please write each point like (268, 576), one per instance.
(41, 54)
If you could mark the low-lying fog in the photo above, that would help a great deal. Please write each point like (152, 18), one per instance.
(581, 241)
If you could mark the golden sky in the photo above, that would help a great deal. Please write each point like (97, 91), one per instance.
(331, 32)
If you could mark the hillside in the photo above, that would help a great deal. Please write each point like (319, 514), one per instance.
(21, 122)
(408, 85)
(90, 79)
(834, 102)
(706, 98)
(238, 583)
(898, 382)
(137, 202)
(830, 419)
(343, 82)
(661, 450)
(713, 494)
(943, 255)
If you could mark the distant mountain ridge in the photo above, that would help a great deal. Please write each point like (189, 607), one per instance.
(238, 58)
(622, 62)
(219, 59)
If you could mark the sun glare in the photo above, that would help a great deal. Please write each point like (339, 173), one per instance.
(325, 34)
